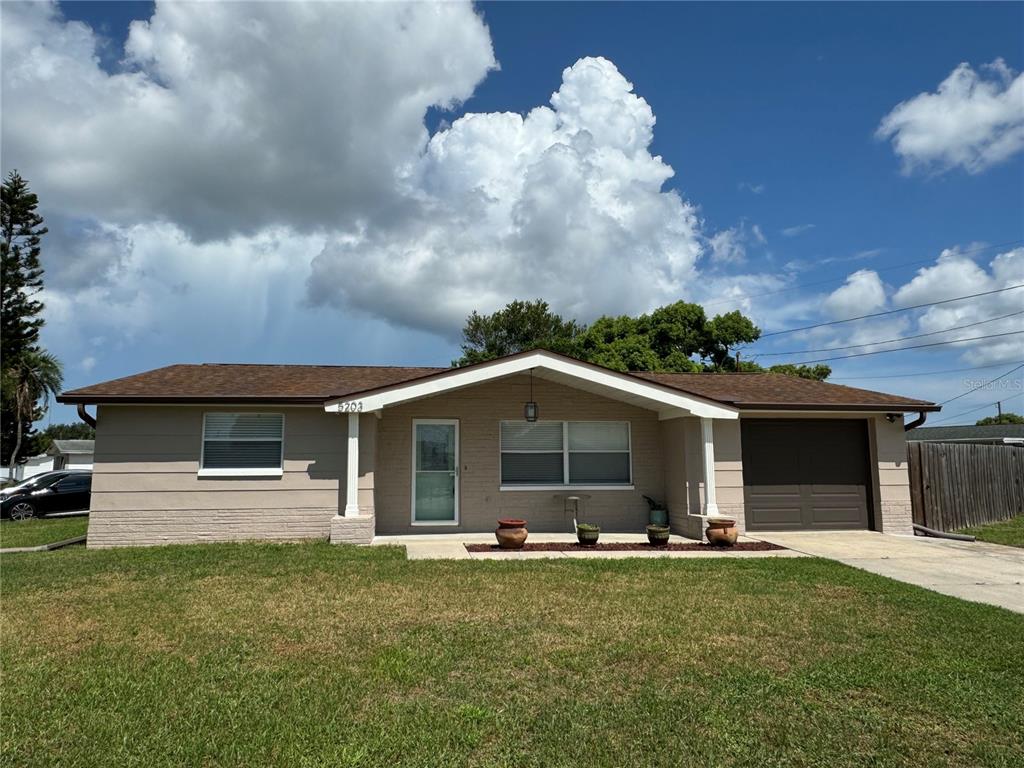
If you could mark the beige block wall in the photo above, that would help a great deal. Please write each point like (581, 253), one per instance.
(146, 488)
(479, 411)
(893, 513)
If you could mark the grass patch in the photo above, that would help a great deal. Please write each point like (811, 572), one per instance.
(317, 655)
(1009, 532)
(32, 533)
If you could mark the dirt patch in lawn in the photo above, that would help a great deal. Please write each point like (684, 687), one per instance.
(569, 546)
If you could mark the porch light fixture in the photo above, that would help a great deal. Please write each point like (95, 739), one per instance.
(530, 409)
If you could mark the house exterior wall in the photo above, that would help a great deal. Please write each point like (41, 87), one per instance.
(78, 461)
(146, 488)
(479, 411)
(893, 513)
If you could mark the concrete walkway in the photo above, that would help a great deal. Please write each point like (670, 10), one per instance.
(453, 547)
(976, 571)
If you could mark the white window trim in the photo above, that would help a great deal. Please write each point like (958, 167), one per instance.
(242, 471)
(565, 485)
(412, 486)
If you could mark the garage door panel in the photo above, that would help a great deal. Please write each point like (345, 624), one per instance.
(805, 474)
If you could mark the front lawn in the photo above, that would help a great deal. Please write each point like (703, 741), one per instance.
(1009, 532)
(313, 655)
(32, 533)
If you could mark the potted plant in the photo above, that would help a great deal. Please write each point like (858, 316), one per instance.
(658, 535)
(721, 531)
(587, 534)
(511, 533)
(659, 512)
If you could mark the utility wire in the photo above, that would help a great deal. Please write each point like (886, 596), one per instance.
(893, 311)
(975, 410)
(916, 373)
(915, 346)
(981, 386)
(888, 341)
(843, 279)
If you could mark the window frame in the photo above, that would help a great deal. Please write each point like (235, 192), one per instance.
(565, 485)
(242, 471)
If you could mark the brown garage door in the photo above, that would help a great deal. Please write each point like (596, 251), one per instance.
(805, 474)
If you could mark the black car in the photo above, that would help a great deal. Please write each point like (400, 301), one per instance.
(63, 491)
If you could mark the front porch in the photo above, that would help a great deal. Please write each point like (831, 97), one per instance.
(432, 459)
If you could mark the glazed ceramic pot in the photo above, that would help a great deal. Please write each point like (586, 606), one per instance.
(587, 536)
(511, 533)
(721, 531)
(658, 535)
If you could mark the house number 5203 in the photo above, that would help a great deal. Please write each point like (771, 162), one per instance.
(356, 406)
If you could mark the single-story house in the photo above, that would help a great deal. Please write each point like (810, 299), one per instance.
(991, 434)
(193, 453)
(62, 454)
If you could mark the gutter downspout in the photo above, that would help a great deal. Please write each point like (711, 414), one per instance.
(921, 416)
(84, 416)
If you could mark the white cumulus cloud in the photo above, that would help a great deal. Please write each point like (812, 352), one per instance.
(861, 294)
(975, 119)
(565, 203)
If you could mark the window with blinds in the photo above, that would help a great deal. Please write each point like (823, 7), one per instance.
(247, 442)
(558, 453)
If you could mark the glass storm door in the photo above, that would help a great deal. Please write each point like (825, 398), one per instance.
(435, 472)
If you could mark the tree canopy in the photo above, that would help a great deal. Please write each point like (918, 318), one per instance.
(28, 374)
(77, 431)
(1006, 418)
(676, 338)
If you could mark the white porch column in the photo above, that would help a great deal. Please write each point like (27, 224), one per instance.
(352, 473)
(708, 466)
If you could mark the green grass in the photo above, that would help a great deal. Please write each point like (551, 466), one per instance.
(313, 655)
(32, 533)
(1009, 532)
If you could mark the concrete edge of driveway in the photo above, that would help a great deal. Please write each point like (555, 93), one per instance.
(45, 547)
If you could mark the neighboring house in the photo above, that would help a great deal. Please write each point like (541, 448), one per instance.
(62, 454)
(226, 452)
(997, 434)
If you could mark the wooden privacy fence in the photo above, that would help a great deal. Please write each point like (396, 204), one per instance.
(960, 485)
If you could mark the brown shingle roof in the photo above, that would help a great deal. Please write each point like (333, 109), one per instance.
(241, 383)
(314, 384)
(776, 390)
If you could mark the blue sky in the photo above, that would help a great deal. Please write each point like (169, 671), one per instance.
(767, 115)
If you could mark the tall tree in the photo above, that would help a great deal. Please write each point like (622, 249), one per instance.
(21, 280)
(21, 231)
(35, 376)
(520, 326)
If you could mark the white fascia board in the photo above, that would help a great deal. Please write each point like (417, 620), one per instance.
(666, 399)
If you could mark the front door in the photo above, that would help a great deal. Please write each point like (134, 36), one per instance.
(435, 472)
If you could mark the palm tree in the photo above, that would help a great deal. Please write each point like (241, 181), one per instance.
(34, 376)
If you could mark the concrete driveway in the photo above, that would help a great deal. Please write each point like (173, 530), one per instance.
(984, 573)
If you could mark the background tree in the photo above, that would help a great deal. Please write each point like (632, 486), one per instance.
(77, 431)
(35, 376)
(1007, 418)
(817, 372)
(25, 370)
(520, 326)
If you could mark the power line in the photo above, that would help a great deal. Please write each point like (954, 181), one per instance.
(893, 311)
(842, 279)
(889, 341)
(915, 346)
(975, 410)
(916, 373)
(981, 386)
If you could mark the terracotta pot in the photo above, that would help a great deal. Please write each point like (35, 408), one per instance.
(511, 538)
(721, 531)
(511, 522)
(658, 535)
(587, 538)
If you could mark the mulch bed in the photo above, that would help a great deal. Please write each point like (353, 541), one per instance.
(571, 546)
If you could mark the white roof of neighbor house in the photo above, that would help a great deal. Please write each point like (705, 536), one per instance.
(64, 447)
